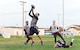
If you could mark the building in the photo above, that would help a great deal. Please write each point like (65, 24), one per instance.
(8, 31)
(75, 29)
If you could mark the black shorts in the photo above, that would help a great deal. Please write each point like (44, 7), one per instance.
(65, 46)
(33, 30)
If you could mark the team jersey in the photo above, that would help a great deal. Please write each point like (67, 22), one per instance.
(34, 18)
(26, 27)
(60, 44)
(54, 28)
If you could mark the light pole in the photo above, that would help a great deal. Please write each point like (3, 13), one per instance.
(22, 16)
(58, 19)
(63, 16)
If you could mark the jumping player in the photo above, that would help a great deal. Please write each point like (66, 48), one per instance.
(56, 31)
(33, 27)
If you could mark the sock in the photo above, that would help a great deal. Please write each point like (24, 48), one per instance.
(71, 43)
(32, 40)
(72, 40)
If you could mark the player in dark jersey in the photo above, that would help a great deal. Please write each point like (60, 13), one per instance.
(60, 44)
(33, 27)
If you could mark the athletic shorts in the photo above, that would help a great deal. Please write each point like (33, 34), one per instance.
(65, 46)
(33, 30)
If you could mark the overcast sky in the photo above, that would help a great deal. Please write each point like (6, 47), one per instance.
(10, 12)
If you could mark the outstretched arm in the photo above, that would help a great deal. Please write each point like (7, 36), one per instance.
(32, 7)
(33, 12)
(30, 13)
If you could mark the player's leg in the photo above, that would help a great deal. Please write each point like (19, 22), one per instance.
(27, 40)
(37, 33)
(27, 37)
(71, 43)
(40, 39)
(30, 35)
(55, 35)
(32, 40)
(61, 37)
(69, 46)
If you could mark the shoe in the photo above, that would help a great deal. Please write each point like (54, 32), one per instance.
(32, 43)
(25, 44)
(42, 43)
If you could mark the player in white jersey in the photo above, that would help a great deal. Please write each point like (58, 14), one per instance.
(54, 28)
(26, 30)
(56, 31)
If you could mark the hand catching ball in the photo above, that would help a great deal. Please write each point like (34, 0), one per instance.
(33, 7)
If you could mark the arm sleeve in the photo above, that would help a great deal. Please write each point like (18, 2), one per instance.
(57, 27)
(34, 15)
(50, 27)
(30, 13)
(33, 12)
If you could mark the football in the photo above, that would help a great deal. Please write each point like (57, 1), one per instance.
(33, 6)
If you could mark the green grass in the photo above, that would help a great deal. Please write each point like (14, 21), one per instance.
(16, 43)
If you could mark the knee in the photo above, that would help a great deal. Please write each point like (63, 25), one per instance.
(28, 38)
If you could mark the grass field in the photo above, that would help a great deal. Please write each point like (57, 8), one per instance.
(16, 43)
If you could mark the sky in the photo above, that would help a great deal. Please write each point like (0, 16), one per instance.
(11, 12)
